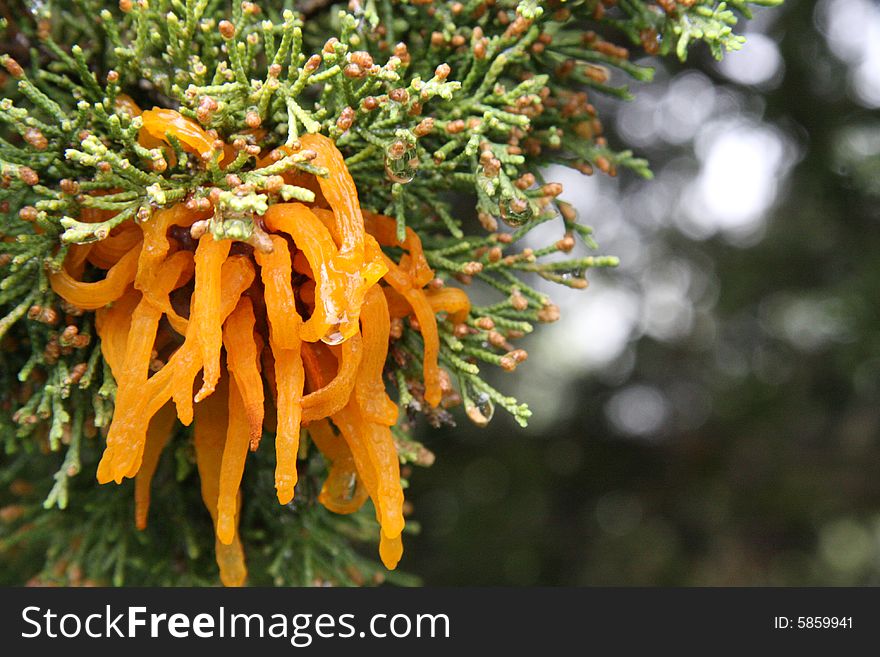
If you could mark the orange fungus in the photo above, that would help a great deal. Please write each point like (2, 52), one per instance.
(292, 337)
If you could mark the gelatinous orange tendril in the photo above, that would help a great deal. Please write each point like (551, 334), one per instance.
(370, 388)
(450, 300)
(209, 438)
(91, 296)
(325, 400)
(238, 432)
(340, 192)
(107, 252)
(343, 491)
(159, 123)
(210, 255)
(243, 348)
(158, 435)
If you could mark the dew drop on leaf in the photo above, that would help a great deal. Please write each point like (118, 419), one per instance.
(515, 211)
(401, 161)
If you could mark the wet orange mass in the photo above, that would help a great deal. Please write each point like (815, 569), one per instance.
(228, 337)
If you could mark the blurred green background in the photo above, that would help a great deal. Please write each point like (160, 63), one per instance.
(707, 414)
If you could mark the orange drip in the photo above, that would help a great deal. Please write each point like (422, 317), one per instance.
(343, 491)
(243, 348)
(158, 435)
(209, 438)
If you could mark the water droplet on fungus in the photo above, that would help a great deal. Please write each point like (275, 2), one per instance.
(343, 489)
(333, 336)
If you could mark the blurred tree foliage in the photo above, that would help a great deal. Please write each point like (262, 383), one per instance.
(761, 465)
